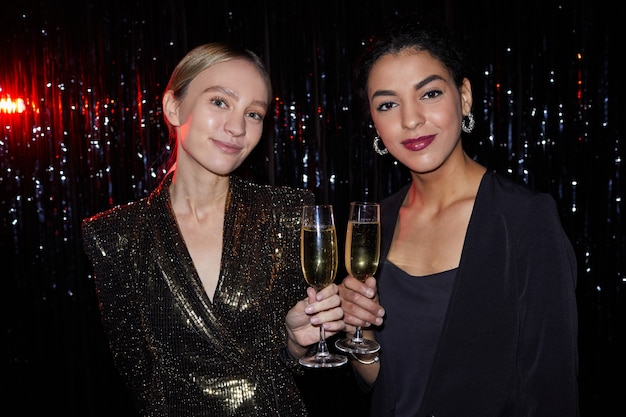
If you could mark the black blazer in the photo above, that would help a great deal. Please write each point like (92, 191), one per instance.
(509, 341)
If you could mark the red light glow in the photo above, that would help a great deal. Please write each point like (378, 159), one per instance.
(9, 105)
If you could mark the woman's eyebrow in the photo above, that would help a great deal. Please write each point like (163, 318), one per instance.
(419, 85)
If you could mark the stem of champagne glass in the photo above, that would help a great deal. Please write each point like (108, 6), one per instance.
(358, 335)
(322, 348)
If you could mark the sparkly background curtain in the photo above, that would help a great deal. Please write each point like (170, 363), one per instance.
(550, 111)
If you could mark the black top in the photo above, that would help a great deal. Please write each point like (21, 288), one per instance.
(415, 308)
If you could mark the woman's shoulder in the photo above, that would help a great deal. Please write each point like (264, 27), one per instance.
(130, 211)
(507, 194)
(113, 217)
(271, 194)
(507, 186)
(112, 231)
(503, 182)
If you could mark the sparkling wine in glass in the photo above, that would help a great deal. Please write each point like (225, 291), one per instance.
(319, 259)
(361, 257)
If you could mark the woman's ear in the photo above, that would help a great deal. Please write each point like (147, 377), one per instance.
(170, 108)
(466, 96)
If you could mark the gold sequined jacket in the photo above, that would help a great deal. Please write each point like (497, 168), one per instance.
(180, 353)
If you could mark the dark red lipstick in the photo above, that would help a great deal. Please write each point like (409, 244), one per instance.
(417, 144)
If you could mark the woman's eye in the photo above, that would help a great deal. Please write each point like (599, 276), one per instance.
(256, 116)
(385, 106)
(218, 102)
(432, 94)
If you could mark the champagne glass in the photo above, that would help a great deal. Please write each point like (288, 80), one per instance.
(319, 259)
(361, 256)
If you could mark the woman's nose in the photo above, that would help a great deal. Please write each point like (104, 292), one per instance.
(235, 125)
(411, 116)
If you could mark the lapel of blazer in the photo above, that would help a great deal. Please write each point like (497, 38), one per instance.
(184, 283)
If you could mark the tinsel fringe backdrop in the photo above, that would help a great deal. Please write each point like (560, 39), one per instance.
(89, 75)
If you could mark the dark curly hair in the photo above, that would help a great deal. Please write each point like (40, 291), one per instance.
(410, 33)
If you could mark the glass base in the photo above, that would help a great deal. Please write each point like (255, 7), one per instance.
(329, 360)
(359, 346)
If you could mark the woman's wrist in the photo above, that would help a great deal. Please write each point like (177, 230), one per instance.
(295, 349)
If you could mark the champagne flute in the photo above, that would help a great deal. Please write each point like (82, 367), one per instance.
(319, 259)
(361, 256)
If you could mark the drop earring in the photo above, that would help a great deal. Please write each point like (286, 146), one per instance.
(377, 147)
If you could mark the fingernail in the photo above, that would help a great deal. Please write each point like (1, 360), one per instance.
(308, 310)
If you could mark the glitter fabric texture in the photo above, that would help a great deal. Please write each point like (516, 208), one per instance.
(180, 353)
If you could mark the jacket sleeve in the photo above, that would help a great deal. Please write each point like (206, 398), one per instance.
(548, 352)
(111, 253)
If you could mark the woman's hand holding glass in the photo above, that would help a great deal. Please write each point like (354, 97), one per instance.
(359, 302)
(303, 320)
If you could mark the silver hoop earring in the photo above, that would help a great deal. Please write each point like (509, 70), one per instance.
(377, 148)
(468, 122)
